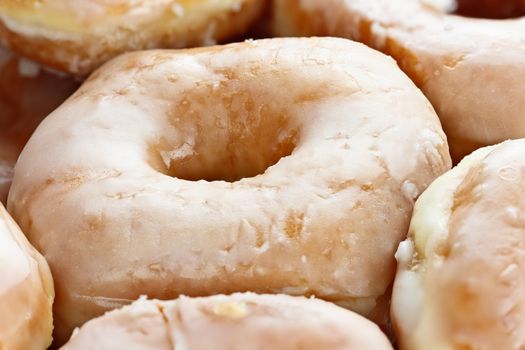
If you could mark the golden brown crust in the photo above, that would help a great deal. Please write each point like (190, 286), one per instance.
(63, 36)
(470, 69)
(27, 95)
(26, 291)
(238, 321)
(316, 189)
(460, 274)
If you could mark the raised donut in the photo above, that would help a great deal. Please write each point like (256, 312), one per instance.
(461, 274)
(238, 321)
(26, 291)
(78, 36)
(27, 95)
(275, 166)
(471, 69)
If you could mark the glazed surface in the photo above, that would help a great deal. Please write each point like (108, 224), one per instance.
(273, 166)
(27, 95)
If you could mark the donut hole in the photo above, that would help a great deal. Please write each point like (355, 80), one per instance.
(224, 134)
(490, 9)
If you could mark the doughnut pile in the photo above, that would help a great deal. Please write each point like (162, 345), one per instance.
(286, 188)
(471, 69)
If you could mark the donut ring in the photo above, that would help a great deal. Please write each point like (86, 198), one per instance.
(26, 291)
(460, 274)
(78, 36)
(238, 321)
(27, 95)
(470, 69)
(217, 182)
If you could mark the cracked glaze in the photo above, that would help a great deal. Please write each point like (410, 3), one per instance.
(26, 291)
(27, 95)
(460, 279)
(78, 36)
(239, 321)
(471, 69)
(320, 188)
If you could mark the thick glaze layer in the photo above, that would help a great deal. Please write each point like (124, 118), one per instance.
(318, 188)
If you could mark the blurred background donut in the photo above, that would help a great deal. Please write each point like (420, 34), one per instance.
(78, 36)
(471, 69)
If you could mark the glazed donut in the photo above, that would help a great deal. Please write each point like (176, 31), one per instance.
(26, 291)
(188, 172)
(238, 321)
(27, 95)
(460, 282)
(78, 36)
(470, 69)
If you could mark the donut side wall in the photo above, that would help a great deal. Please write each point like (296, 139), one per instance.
(26, 291)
